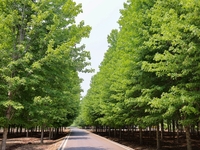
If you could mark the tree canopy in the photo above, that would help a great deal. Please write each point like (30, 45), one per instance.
(40, 59)
(150, 72)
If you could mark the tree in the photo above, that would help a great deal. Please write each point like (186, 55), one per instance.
(38, 50)
(175, 31)
(151, 68)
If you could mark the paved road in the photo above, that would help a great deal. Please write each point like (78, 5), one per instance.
(83, 140)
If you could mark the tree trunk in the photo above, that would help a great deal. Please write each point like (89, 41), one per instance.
(5, 129)
(120, 133)
(158, 138)
(20, 129)
(173, 126)
(27, 132)
(141, 139)
(115, 130)
(42, 135)
(5, 133)
(178, 131)
(188, 138)
(50, 132)
(150, 132)
(162, 130)
(109, 131)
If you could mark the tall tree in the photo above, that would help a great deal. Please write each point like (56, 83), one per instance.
(175, 27)
(38, 50)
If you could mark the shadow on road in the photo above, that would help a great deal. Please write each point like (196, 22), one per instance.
(79, 133)
(84, 148)
(77, 138)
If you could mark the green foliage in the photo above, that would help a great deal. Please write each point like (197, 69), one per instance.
(174, 31)
(39, 62)
(150, 72)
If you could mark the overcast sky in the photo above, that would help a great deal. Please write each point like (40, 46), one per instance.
(102, 16)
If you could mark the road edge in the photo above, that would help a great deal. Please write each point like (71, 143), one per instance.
(65, 140)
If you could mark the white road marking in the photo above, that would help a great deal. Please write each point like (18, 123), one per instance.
(62, 146)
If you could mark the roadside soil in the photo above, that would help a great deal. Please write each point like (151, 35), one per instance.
(20, 142)
(168, 143)
(33, 143)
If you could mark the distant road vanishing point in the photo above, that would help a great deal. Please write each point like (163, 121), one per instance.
(80, 139)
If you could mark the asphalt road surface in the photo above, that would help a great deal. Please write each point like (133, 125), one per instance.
(79, 139)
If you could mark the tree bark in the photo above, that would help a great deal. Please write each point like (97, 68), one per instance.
(42, 135)
(5, 129)
(120, 133)
(5, 133)
(115, 130)
(141, 139)
(50, 132)
(178, 131)
(188, 138)
(150, 132)
(158, 137)
(162, 130)
(109, 131)
(174, 131)
(27, 132)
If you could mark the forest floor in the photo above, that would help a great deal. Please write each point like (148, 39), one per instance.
(33, 143)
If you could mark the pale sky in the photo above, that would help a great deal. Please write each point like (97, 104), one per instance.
(102, 16)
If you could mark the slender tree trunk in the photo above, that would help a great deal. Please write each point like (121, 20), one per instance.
(120, 133)
(109, 131)
(141, 139)
(188, 138)
(5, 129)
(115, 130)
(42, 135)
(162, 130)
(149, 132)
(50, 133)
(27, 132)
(96, 129)
(17, 130)
(178, 132)
(174, 131)
(168, 127)
(5, 133)
(158, 137)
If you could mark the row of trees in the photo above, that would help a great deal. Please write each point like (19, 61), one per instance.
(39, 63)
(150, 73)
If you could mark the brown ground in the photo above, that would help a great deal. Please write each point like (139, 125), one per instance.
(169, 143)
(33, 143)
